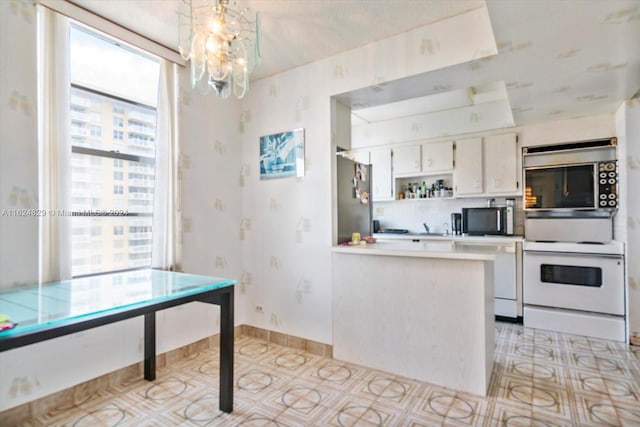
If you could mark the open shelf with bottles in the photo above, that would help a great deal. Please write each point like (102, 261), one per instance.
(424, 187)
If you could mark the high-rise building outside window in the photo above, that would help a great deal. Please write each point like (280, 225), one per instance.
(113, 131)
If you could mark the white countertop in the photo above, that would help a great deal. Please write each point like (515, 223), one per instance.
(432, 249)
(450, 237)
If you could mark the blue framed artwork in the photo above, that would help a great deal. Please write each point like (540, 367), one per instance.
(282, 154)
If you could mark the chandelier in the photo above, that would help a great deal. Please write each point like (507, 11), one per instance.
(222, 45)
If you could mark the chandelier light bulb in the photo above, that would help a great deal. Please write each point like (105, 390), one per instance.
(216, 26)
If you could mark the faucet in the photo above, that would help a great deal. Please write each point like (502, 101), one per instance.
(426, 227)
(446, 228)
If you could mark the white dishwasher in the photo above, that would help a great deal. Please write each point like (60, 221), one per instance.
(505, 279)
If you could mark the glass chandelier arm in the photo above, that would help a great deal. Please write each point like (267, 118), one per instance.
(199, 79)
(240, 82)
(257, 54)
(185, 28)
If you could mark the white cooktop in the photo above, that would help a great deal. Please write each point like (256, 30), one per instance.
(612, 248)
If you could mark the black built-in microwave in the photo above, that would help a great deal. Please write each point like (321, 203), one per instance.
(570, 177)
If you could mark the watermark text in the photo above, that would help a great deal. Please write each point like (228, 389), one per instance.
(63, 212)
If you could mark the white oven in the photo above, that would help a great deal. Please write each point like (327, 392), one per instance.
(573, 270)
(575, 287)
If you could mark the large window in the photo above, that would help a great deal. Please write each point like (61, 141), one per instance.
(113, 131)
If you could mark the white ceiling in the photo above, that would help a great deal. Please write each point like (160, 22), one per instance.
(293, 32)
(557, 59)
(438, 102)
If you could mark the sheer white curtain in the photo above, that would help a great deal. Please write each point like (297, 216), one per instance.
(167, 209)
(54, 148)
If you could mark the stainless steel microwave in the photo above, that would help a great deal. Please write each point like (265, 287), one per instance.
(490, 221)
(571, 177)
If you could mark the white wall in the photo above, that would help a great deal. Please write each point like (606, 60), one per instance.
(211, 171)
(287, 250)
(628, 123)
(18, 144)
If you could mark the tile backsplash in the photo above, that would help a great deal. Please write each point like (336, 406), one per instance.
(411, 214)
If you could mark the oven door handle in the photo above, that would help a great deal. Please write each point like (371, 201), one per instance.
(573, 254)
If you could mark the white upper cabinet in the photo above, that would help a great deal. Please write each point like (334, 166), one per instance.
(501, 164)
(467, 174)
(482, 166)
(381, 178)
(437, 157)
(487, 166)
(406, 160)
(424, 159)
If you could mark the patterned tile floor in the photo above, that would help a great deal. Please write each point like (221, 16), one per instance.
(540, 378)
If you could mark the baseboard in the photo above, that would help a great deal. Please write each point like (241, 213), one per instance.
(72, 396)
(509, 319)
(309, 346)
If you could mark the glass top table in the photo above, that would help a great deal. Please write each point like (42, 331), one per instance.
(51, 310)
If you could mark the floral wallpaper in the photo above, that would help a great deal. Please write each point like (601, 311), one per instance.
(632, 122)
(18, 145)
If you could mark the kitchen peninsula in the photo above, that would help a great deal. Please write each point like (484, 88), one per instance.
(423, 310)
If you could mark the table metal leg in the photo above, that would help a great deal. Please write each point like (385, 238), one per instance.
(150, 346)
(226, 351)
